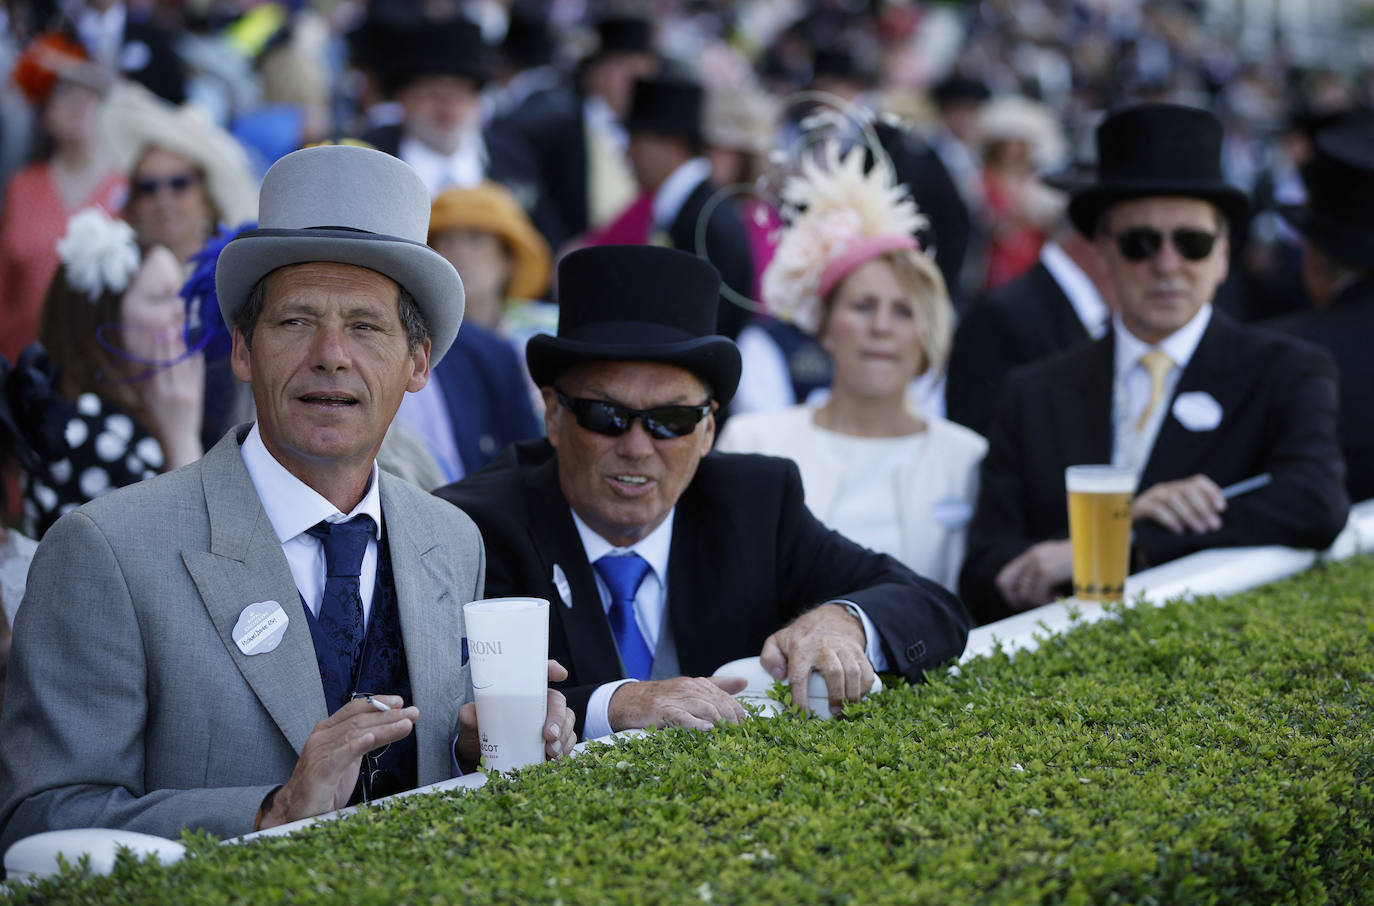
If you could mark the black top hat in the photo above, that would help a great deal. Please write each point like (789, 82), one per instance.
(453, 47)
(637, 303)
(958, 88)
(623, 34)
(666, 106)
(1156, 149)
(1340, 195)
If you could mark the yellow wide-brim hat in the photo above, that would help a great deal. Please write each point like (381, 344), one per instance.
(492, 208)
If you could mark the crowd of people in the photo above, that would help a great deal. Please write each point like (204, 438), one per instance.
(780, 324)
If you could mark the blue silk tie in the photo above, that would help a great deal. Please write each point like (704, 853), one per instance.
(622, 575)
(341, 609)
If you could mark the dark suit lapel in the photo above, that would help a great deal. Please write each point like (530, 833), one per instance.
(701, 607)
(1065, 328)
(555, 542)
(1178, 451)
(245, 565)
(1083, 414)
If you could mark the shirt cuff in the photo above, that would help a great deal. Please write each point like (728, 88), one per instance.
(598, 721)
(873, 643)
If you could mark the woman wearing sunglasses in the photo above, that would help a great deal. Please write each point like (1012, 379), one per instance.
(121, 398)
(186, 175)
(874, 467)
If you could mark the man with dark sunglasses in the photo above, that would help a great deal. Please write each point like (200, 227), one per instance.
(663, 560)
(1187, 399)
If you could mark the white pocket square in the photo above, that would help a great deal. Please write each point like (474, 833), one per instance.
(1197, 411)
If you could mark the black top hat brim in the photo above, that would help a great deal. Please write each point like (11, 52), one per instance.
(714, 359)
(1347, 243)
(1087, 205)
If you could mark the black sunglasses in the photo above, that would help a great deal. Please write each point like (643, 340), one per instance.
(613, 419)
(178, 184)
(1143, 243)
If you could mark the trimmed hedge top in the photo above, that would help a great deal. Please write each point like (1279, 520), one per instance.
(1213, 752)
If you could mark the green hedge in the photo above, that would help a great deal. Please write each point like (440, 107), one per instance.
(1214, 752)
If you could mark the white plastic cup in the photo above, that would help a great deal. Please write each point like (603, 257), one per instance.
(508, 653)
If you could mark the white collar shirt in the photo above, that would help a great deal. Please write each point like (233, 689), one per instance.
(672, 195)
(463, 168)
(292, 506)
(1131, 385)
(1082, 293)
(598, 115)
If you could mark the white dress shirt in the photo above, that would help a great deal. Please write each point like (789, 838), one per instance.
(292, 506)
(651, 600)
(463, 168)
(1083, 295)
(1131, 387)
(672, 195)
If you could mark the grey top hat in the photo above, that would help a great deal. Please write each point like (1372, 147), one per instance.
(350, 205)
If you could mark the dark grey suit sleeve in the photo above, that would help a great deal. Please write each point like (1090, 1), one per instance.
(72, 747)
(922, 624)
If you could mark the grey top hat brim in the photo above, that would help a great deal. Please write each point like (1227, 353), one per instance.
(425, 274)
(715, 359)
(1087, 205)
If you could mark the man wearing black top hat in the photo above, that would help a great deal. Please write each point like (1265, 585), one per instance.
(1189, 400)
(435, 72)
(687, 213)
(576, 133)
(1337, 224)
(664, 560)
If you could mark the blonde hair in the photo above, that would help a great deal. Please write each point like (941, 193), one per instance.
(918, 275)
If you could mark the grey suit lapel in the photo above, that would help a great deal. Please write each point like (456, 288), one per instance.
(245, 565)
(432, 628)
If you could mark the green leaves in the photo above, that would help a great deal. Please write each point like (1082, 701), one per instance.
(1219, 751)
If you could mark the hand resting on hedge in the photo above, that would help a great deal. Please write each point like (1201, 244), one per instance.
(828, 639)
(694, 702)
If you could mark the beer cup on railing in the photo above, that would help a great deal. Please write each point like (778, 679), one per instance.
(508, 650)
(1100, 529)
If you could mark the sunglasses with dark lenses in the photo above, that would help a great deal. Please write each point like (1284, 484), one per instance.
(613, 419)
(1143, 243)
(178, 184)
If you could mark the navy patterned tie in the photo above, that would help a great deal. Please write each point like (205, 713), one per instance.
(622, 575)
(341, 609)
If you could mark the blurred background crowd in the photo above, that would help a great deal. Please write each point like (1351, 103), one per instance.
(543, 126)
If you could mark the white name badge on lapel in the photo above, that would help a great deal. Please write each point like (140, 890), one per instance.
(951, 512)
(1197, 410)
(260, 627)
(560, 583)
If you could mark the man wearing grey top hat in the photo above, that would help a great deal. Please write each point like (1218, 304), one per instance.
(208, 649)
(1188, 400)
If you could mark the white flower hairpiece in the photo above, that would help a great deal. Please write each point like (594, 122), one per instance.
(832, 207)
(99, 253)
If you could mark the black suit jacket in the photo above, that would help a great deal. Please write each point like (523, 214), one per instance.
(726, 246)
(1028, 319)
(1279, 412)
(553, 124)
(1347, 330)
(746, 558)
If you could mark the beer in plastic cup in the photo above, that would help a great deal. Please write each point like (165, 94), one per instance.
(1100, 530)
(508, 653)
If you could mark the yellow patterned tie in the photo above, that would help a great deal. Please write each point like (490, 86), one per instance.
(1157, 364)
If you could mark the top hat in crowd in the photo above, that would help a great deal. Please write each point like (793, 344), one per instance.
(666, 106)
(622, 33)
(1340, 195)
(352, 205)
(401, 54)
(1152, 150)
(959, 89)
(637, 303)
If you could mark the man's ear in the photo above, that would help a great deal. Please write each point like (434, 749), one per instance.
(419, 366)
(239, 359)
(551, 414)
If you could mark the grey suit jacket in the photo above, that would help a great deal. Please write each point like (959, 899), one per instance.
(130, 705)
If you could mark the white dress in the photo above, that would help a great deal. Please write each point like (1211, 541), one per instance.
(911, 497)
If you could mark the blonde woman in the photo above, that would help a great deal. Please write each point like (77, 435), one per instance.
(874, 466)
